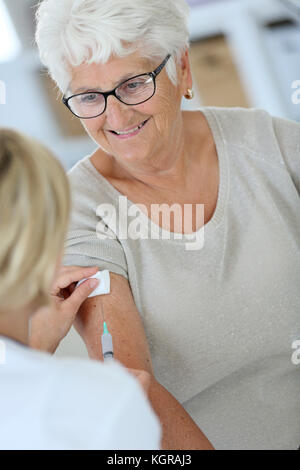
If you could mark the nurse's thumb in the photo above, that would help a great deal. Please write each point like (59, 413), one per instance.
(81, 293)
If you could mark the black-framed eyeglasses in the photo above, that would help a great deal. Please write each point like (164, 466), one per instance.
(133, 91)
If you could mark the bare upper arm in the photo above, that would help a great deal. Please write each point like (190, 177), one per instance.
(123, 321)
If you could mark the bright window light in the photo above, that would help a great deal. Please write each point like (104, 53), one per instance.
(9, 42)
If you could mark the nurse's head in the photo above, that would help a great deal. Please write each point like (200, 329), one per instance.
(136, 49)
(34, 214)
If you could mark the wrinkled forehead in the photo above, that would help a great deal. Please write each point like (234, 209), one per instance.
(106, 76)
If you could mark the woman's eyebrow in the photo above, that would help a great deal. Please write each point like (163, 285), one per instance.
(128, 75)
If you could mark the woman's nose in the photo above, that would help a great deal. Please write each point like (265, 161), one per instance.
(117, 114)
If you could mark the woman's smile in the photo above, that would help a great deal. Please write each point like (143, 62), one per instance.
(135, 131)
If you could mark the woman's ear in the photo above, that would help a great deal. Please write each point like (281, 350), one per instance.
(185, 72)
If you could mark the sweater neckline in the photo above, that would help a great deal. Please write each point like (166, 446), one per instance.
(218, 214)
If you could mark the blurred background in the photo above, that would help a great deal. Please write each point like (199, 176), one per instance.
(243, 53)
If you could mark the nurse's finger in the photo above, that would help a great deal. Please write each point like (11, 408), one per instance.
(67, 277)
(143, 377)
(80, 294)
(72, 287)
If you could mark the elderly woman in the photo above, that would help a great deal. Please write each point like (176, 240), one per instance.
(214, 319)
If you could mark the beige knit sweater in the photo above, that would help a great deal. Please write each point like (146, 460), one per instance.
(220, 320)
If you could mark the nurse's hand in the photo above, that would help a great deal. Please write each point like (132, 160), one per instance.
(143, 377)
(49, 325)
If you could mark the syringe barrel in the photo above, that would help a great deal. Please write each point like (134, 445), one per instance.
(107, 345)
(108, 357)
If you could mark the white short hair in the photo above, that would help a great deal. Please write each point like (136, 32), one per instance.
(72, 32)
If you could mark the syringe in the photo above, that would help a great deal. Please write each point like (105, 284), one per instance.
(107, 344)
(103, 288)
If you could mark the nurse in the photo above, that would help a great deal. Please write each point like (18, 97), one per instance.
(46, 402)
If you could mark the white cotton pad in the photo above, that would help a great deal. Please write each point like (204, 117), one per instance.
(103, 287)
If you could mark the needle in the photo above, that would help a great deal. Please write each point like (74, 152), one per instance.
(102, 311)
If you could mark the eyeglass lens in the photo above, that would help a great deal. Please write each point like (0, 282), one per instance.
(133, 91)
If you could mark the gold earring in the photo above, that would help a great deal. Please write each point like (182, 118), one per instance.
(189, 94)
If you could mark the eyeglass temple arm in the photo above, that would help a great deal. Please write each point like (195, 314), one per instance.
(161, 66)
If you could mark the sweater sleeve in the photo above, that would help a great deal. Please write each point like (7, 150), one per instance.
(89, 241)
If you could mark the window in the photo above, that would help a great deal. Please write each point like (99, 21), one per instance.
(10, 44)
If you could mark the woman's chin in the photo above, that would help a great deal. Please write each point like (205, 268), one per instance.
(131, 152)
(132, 156)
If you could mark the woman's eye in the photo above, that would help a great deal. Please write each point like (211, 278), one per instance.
(89, 98)
(134, 86)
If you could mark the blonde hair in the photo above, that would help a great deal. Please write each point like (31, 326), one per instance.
(34, 215)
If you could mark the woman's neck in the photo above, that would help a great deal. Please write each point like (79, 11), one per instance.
(172, 167)
(164, 171)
